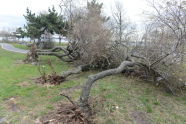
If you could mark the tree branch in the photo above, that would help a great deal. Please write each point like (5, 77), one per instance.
(92, 78)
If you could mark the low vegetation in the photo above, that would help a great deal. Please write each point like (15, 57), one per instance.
(122, 100)
(21, 46)
(104, 77)
(94, 46)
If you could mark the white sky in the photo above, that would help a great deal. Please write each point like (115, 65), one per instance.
(11, 11)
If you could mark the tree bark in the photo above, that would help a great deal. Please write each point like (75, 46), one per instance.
(92, 78)
(80, 69)
(55, 49)
(59, 52)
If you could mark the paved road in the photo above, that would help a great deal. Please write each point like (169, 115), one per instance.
(10, 47)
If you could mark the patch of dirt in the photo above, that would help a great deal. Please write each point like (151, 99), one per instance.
(26, 120)
(50, 79)
(65, 114)
(12, 105)
(3, 120)
(140, 117)
(70, 113)
(24, 84)
(19, 62)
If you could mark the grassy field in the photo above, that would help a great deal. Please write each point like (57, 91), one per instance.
(21, 46)
(127, 100)
(26, 48)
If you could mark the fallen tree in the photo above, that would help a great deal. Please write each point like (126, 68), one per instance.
(91, 46)
(92, 78)
(32, 56)
(76, 71)
(123, 67)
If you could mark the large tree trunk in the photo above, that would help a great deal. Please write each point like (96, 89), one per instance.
(59, 52)
(78, 70)
(92, 78)
(55, 49)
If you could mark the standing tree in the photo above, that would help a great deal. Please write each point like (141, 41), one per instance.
(5, 35)
(44, 24)
(67, 10)
(20, 33)
(171, 15)
(123, 29)
(33, 26)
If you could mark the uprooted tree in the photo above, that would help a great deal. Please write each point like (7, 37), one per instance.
(156, 58)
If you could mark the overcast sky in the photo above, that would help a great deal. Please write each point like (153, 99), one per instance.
(11, 11)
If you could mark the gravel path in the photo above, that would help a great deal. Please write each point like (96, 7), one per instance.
(10, 47)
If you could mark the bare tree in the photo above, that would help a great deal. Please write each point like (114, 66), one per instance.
(92, 47)
(6, 35)
(158, 58)
(123, 29)
(67, 8)
(172, 16)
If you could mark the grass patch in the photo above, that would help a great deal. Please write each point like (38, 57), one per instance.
(20, 46)
(61, 44)
(127, 94)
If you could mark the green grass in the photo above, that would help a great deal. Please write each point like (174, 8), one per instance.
(61, 44)
(32, 97)
(130, 95)
(26, 48)
(20, 46)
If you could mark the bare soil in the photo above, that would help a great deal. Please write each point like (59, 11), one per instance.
(140, 117)
(66, 113)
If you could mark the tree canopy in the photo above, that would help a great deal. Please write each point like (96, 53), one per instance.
(50, 22)
(20, 33)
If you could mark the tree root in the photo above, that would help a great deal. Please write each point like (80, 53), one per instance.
(51, 79)
(32, 56)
